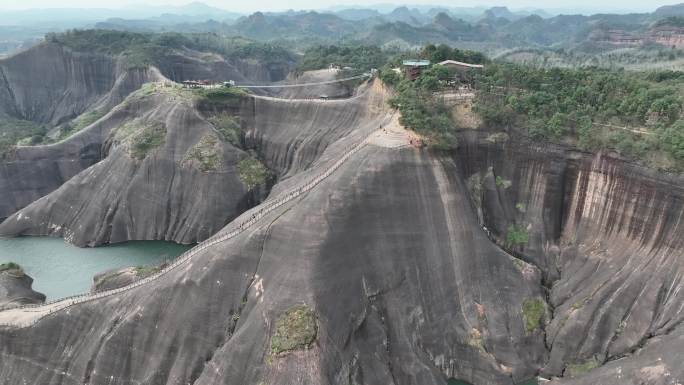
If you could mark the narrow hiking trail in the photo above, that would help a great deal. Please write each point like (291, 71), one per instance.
(390, 135)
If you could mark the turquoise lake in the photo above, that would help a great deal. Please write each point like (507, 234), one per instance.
(60, 270)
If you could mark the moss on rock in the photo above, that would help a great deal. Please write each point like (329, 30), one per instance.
(476, 340)
(141, 137)
(81, 122)
(252, 172)
(579, 368)
(206, 154)
(296, 329)
(533, 313)
(146, 271)
(228, 128)
(12, 268)
(516, 236)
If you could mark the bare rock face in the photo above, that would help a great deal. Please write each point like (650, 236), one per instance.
(190, 185)
(15, 288)
(114, 279)
(493, 264)
(144, 188)
(606, 235)
(366, 251)
(51, 84)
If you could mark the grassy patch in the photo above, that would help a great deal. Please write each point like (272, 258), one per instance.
(475, 340)
(579, 368)
(503, 183)
(141, 137)
(146, 271)
(146, 140)
(16, 131)
(12, 269)
(206, 153)
(81, 122)
(228, 128)
(220, 94)
(516, 236)
(296, 329)
(252, 172)
(172, 91)
(533, 313)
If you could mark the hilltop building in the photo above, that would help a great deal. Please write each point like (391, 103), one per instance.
(461, 72)
(413, 68)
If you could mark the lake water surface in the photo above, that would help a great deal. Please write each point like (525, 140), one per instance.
(60, 270)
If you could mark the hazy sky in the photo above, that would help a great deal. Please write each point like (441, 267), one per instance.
(268, 5)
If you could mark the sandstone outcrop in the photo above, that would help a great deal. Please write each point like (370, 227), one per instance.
(51, 84)
(15, 288)
(494, 263)
(117, 278)
(168, 196)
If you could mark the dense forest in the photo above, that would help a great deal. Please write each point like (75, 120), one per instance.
(634, 113)
(420, 111)
(144, 49)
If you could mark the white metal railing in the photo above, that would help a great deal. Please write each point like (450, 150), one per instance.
(265, 208)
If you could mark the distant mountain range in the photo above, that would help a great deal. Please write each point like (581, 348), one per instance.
(489, 29)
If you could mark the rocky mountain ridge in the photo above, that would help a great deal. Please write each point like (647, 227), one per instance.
(406, 284)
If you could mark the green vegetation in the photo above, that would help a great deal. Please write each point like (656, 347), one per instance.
(296, 329)
(476, 340)
(443, 52)
(533, 313)
(23, 132)
(146, 271)
(516, 236)
(588, 106)
(576, 369)
(220, 94)
(12, 269)
(207, 153)
(520, 207)
(228, 128)
(503, 183)
(358, 57)
(147, 140)
(80, 123)
(422, 112)
(252, 172)
(144, 49)
(141, 137)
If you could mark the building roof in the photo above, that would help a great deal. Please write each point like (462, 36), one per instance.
(460, 63)
(416, 63)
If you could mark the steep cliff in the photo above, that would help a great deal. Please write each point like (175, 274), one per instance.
(147, 185)
(15, 287)
(385, 252)
(52, 84)
(605, 233)
(176, 192)
(386, 270)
